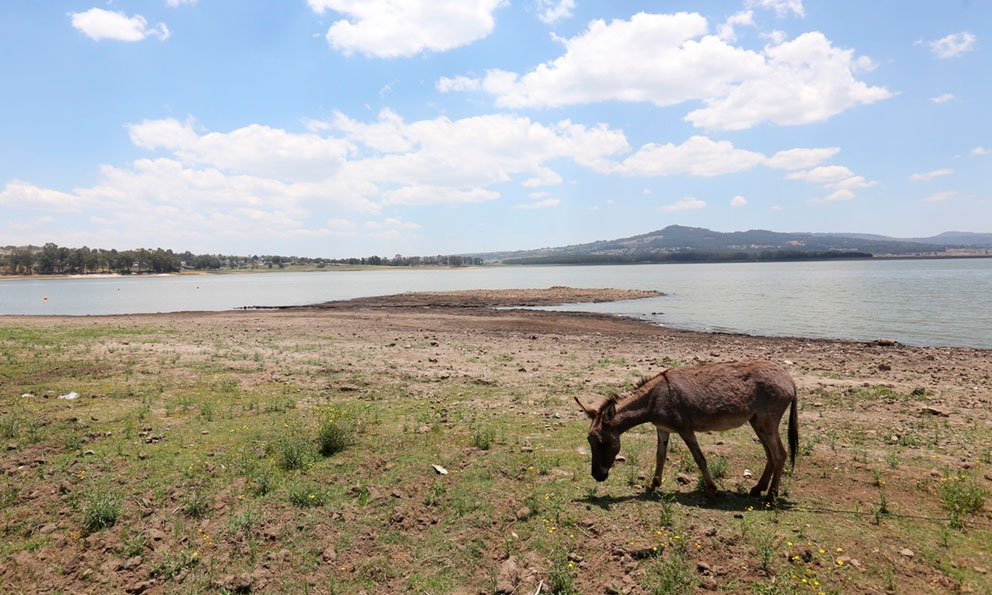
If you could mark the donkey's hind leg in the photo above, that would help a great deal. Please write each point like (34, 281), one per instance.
(662, 453)
(778, 449)
(766, 475)
(690, 440)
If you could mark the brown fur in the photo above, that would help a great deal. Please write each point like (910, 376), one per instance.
(706, 398)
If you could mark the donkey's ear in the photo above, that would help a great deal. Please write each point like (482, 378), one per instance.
(610, 410)
(590, 412)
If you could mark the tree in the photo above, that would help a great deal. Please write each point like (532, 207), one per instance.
(23, 261)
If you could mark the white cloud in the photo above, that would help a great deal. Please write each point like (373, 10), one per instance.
(458, 83)
(837, 195)
(942, 98)
(391, 29)
(727, 31)
(781, 7)
(541, 204)
(801, 81)
(253, 149)
(981, 151)
(175, 3)
(791, 159)
(20, 194)
(670, 59)
(940, 196)
(686, 204)
(391, 224)
(822, 175)
(436, 195)
(99, 24)
(698, 156)
(341, 225)
(925, 177)
(551, 11)
(738, 201)
(952, 45)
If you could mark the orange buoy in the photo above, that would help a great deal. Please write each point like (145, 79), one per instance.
(46, 298)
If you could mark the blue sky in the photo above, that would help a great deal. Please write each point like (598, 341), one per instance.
(353, 127)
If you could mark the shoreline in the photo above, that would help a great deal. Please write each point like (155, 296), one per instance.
(492, 303)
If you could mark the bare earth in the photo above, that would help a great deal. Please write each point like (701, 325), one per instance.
(875, 418)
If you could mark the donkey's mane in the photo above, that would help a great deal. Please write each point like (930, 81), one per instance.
(614, 398)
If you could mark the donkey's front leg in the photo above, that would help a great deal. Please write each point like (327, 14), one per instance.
(659, 466)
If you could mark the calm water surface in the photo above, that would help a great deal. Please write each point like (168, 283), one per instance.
(918, 302)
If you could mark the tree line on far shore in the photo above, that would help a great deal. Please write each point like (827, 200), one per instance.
(52, 259)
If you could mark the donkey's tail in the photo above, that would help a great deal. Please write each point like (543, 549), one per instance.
(794, 426)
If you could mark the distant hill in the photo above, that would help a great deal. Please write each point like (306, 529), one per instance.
(677, 243)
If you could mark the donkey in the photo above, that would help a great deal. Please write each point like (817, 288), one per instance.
(714, 397)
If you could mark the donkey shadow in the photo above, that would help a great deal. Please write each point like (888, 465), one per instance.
(728, 501)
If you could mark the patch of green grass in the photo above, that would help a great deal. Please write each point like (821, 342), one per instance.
(244, 521)
(293, 449)
(306, 493)
(670, 575)
(101, 510)
(483, 437)
(196, 504)
(561, 575)
(132, 544)
(962, 497)
(335, 433)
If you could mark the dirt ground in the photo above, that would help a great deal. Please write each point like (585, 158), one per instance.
(878, 420)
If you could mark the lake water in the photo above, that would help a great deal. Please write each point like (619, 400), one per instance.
(918, 302)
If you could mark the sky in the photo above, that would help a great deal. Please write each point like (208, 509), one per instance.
(347, 128)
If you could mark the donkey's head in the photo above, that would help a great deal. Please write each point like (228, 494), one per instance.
(604, 437)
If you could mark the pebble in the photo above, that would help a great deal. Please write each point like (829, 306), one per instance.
(908, 553)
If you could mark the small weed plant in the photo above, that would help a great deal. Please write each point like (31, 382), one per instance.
(335, 433)
(101, 510)
(962, 498)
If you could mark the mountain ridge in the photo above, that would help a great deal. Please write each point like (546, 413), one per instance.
(678, 242)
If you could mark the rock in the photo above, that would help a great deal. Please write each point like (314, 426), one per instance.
(906, 552)
(708, 583)
(139, 587)
(703, 568)
(884, 367)
(683, 478)
(440, 470)
(934, 411)
(747, 473)
(509, 575)
(886, 342)
(49, 528)
(919, 391)
(523, 513)
(709, 531)
(329, 555)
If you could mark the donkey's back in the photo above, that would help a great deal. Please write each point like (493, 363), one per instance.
(717, 397)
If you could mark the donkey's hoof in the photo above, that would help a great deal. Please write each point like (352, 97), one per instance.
(755, 491)
(770, 498)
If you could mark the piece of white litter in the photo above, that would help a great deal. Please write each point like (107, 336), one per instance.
(440, 470)
(70, 396)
